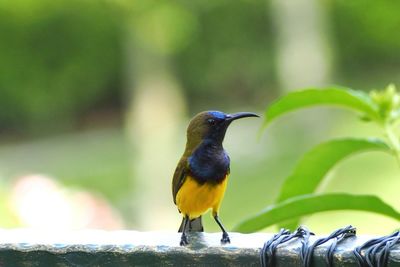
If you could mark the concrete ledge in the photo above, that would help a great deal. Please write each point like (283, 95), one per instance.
(131, 248)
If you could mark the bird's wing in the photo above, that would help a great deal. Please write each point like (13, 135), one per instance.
(179, 177)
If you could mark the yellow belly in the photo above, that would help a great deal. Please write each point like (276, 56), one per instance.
(194, 199)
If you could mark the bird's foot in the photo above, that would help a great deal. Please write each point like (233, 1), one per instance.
(225, 238)
(184, 241)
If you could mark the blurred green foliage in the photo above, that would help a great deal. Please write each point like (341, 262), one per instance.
(58, 59)
(366, 40)
(64, 58)
(164, 27)
(231, 56)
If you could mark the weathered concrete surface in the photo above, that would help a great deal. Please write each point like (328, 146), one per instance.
(131, 248)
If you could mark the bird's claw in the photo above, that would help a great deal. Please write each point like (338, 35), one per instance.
(184, 241)
(225, 239)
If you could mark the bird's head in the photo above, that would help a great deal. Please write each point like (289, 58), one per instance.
(212, 125)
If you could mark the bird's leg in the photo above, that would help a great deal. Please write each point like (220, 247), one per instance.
(225, 237)
(184, 240)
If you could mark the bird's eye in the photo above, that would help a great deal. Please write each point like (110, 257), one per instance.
(211, 121)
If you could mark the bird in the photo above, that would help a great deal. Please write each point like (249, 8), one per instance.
(201, 176)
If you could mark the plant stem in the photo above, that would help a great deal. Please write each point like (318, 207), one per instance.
(394, 140)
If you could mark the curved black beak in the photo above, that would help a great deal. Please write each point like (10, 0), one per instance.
(239, 115)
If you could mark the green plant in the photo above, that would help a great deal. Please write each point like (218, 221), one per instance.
(297, 197)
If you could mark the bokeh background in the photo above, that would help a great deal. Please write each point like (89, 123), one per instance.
(95, 96)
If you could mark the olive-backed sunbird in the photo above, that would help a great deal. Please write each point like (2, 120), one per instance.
(201, 176)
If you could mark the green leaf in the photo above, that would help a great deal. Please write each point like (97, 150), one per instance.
(310, 204)
(352, 99)
(316, 163)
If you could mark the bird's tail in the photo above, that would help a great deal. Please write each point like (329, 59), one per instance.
(195, 225)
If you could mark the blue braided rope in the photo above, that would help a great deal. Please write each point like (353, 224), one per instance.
(376, 251)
